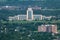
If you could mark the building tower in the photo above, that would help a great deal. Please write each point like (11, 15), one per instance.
(29, 14)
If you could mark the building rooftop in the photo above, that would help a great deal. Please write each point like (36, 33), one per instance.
(29, 8)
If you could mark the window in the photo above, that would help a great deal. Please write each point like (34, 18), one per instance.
(29, 15)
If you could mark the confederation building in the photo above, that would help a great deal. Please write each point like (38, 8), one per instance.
(29, 16)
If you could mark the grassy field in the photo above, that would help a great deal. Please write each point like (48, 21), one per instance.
(58, 21)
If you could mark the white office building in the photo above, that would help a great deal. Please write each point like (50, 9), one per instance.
(29, 16)
(22, 17)
(47, 17)
(37, 17)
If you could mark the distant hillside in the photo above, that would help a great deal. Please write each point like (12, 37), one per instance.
(55, 4)
(44, 3)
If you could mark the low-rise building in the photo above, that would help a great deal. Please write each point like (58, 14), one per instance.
(47, 28)
(47, 17)
(41, 28)
(22, 17)
(37, 17)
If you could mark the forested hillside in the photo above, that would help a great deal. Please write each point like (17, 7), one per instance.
(44, 3)
(48, 4)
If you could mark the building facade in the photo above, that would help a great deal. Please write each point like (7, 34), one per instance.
(37, 17)
(47, 28)
(41, 28)
(29, 16)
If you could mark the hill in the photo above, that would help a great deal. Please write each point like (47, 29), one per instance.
(49, 4)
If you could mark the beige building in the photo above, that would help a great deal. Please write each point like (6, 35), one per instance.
(47, 28)
(41, 28)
